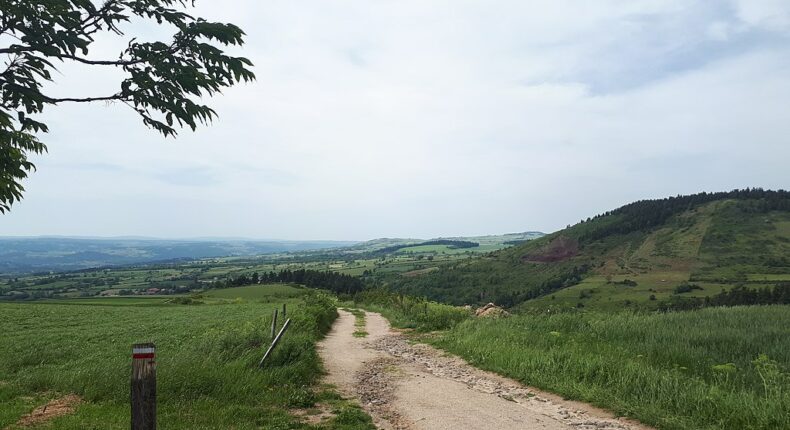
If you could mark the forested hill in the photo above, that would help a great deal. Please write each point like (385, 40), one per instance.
(645, 251)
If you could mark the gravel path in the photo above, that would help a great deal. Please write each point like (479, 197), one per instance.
(415, 386)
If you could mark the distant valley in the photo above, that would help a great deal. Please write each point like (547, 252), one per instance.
(19, 255)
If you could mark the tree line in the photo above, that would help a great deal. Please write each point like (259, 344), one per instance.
(737, 296)
(338, 283)
(452, 244)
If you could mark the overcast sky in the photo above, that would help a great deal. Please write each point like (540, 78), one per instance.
(423, 118)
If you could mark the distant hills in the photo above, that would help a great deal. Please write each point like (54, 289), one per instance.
(486, 243)
(641, 254)
(18, 255)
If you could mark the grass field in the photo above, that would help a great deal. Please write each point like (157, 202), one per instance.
(425, 248)
(113, 301)
(769, 277)
(207, 359)
(447, 249)
(691, 370)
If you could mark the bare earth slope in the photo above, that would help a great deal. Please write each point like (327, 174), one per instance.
(405, 386)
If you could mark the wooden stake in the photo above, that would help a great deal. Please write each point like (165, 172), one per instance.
(275, 342)
(274, 323)
(143, 386)
(284, 311)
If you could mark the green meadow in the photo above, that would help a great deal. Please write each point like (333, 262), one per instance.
(207, 362)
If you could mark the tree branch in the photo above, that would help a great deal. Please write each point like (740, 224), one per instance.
(174, 47)
(100, 62)
(114, 97)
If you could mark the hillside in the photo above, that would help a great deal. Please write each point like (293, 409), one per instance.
(642, 254)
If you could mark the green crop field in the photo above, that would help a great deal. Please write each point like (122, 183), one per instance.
(112, 301)
(207, 359)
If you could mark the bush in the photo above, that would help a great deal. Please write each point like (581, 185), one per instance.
(184, 301)
(626, 282)
(686, 288)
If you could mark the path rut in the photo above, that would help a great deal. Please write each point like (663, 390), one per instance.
(408, 386)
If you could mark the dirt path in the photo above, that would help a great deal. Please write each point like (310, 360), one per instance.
(405, 386)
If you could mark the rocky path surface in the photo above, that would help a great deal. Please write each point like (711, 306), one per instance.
(415, 386)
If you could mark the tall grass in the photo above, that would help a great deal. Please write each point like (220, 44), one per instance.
(411, 312)
(715, 368)
(207, 360)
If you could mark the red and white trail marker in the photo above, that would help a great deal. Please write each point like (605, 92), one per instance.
(144, 351)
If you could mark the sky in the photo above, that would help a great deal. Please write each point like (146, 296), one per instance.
(416, 118)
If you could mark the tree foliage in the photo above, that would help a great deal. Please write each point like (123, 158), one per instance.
(451, 244)
(164, 80)
(737, 296)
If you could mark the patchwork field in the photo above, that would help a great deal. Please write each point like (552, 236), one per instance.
(196, 276)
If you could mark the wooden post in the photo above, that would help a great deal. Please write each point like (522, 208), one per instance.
(274, 323)
(284, 311)
(274, 342)
(143, 386)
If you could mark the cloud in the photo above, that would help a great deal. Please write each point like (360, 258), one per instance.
(772, 15)
(413, 118)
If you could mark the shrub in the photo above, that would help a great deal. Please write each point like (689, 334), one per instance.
(686, 288)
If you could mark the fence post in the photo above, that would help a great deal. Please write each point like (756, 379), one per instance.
(143, 386)
(274, 342)
(284, 311)
(274, 323)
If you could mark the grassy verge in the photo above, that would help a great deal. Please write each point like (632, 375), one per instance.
(714, 368)
(207, 359)
(409, 312)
